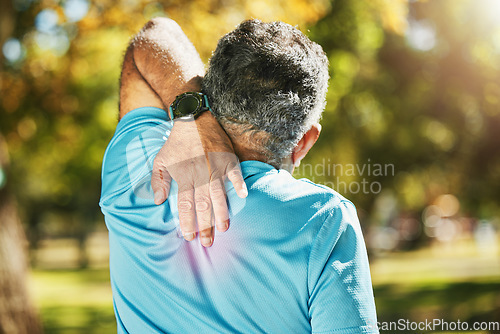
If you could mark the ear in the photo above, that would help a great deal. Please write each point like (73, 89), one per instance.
(306, 142)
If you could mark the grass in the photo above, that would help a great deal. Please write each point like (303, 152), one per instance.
(74, 301)
(448, 283)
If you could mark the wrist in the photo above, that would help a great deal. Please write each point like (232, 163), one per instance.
(213, 136)
(188, 104)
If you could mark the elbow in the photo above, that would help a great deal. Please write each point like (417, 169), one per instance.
(155, 33)
(160, 23)
(156, 29)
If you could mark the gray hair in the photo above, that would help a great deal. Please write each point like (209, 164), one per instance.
(270, 81)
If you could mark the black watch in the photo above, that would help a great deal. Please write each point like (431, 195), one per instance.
(189, 104)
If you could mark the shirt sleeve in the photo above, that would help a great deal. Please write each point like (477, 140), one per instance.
(340, 290)
(128, 161)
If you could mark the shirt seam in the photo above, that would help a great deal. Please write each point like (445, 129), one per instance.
(330, 215)
(310, 252)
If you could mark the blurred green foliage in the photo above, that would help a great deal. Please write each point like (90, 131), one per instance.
(427, 101)
(414, 86)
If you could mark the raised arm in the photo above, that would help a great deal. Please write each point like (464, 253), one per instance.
(160, 64)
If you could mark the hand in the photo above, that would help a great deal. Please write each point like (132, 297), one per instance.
(198, 155)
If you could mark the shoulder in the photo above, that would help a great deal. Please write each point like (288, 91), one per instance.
(329, 199)
(139, 136)
(323, 189)
(337, 206)
(326, 211)
(301, 196)
(133, 129)
(337, 224)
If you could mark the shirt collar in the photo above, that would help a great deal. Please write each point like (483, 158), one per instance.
(252, 167)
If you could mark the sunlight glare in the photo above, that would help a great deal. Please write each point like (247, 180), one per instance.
(492, 10)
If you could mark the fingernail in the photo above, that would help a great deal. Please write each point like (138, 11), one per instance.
(206, 241)
(223, 226)
(189, 236)
(243, 192)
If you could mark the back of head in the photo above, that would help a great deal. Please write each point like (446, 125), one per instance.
(267, 84)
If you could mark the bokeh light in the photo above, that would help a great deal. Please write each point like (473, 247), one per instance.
(448, 204)
(75, 10)
(57, 42)
(486, 239)
(46, 21)
(421, 35)
(13, 50)
(491, 9)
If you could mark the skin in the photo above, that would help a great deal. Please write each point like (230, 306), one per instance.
(304, 145)
(161, 63)
(245, 149)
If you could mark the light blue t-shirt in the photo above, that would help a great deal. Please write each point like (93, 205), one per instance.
(292, 261)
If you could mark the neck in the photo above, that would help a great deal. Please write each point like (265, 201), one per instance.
(244, 154)
(250, 145)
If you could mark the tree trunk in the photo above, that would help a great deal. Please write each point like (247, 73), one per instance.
(17, 315)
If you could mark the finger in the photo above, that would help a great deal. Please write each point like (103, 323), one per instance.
(160, 183)
(187, 219)
(219, 204)
(234, 175)
(204, 214)
(208, 233)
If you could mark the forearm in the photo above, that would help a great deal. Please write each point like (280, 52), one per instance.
(135, 92)
(167, 60)
(214, 138)
(170, 65)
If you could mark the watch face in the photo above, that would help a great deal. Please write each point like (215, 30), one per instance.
(188, 104)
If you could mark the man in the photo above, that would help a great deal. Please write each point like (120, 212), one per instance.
(294, 259)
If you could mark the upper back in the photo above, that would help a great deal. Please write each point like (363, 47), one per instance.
(292, 261)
